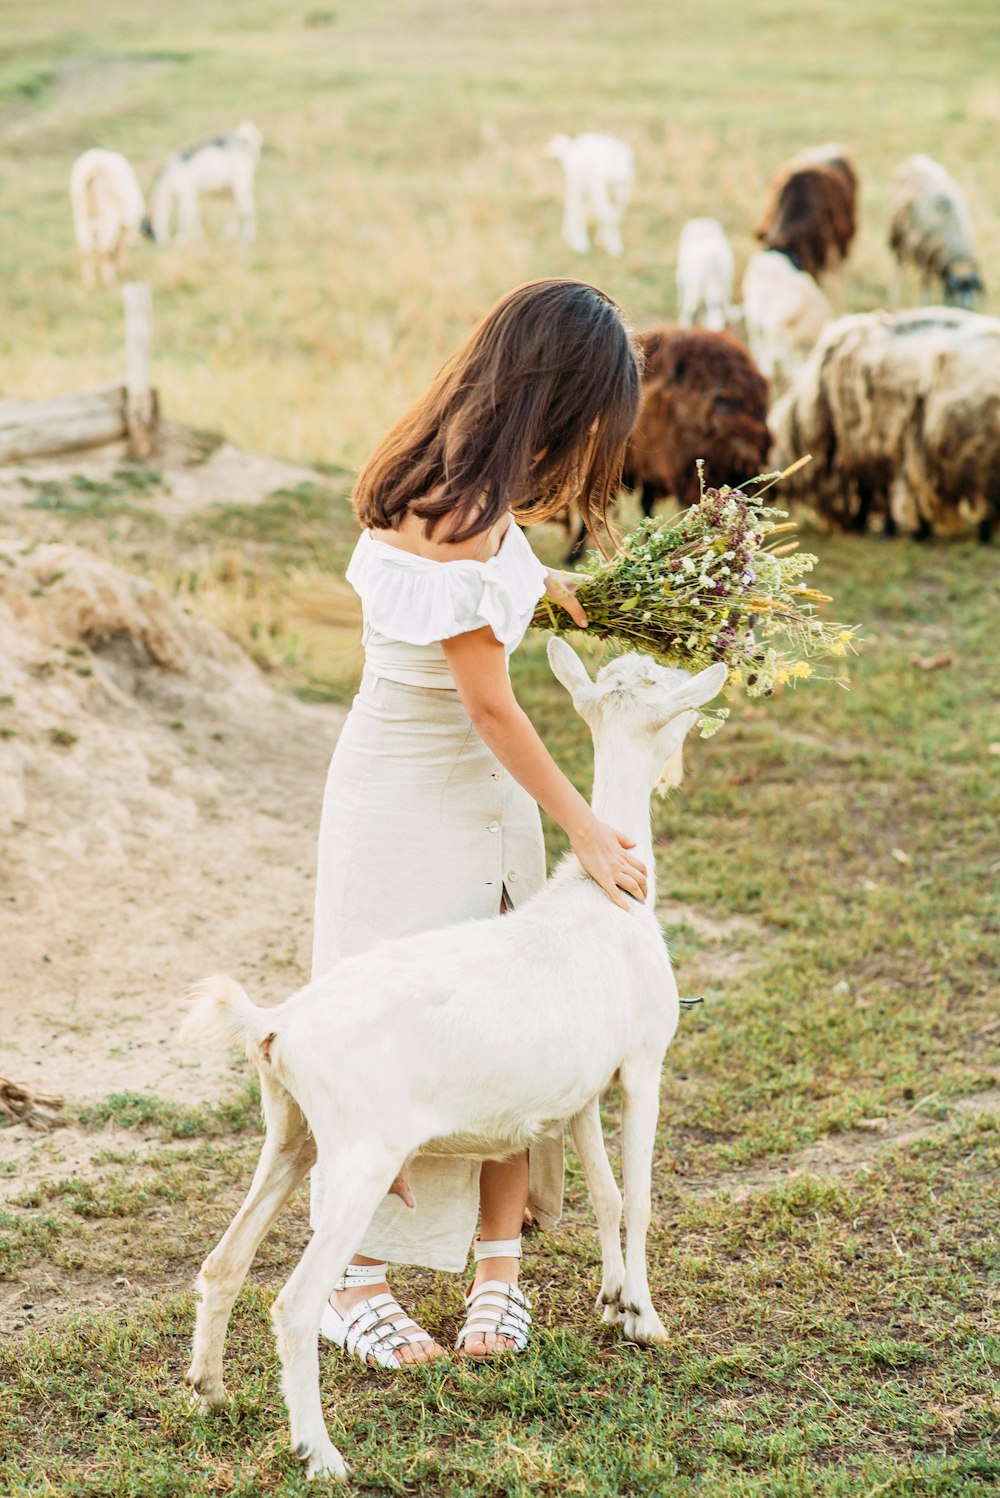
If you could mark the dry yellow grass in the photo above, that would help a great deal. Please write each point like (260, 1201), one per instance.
(403, 188)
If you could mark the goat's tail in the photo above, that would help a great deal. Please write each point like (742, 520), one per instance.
(221, 1010)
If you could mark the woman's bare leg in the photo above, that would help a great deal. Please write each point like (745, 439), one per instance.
(344, 1301)
(503, 1197)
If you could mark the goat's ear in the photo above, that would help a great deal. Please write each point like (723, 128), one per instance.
(700, 689)
(568, 668)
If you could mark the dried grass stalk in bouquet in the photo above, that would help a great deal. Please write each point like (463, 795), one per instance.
(721, 582)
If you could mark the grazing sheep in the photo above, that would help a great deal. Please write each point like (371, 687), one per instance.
(811, 213)
(498, 1028)
(599, 172)
(901, 412)
(702, 397)
(705, 268)
(226, 164)
(784, 311)
(108, 206)
(931, 228)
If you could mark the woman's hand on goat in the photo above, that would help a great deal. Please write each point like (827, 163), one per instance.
(561, 587)
(604, 854)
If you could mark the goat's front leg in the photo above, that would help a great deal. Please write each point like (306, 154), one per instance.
(588, 1139)
(640, 1112)
(352, 1189)
(287, 1154)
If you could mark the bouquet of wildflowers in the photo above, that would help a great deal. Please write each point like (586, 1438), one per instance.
(722, 582)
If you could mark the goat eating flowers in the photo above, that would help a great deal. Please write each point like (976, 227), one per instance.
(490, 1031)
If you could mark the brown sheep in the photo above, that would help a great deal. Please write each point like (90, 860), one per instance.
(901, 412)
(703, 397)
(811, 213)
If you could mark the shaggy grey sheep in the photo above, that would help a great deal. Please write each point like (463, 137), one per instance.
(901, 412)
(931, 229)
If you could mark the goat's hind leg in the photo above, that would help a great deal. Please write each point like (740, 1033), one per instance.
(640, 1112)
(353, 1186)
(287, 1155)
(588, 1139)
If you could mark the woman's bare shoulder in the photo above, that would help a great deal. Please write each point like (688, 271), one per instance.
(411, 537)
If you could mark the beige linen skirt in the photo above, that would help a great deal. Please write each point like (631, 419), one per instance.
(422, 827)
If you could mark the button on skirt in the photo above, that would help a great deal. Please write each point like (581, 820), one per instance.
(422, 827)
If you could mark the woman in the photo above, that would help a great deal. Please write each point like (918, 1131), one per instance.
(430, 813)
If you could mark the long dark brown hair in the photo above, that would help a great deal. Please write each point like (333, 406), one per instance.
(534, 410)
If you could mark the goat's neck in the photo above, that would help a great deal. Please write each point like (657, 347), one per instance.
(621, 795)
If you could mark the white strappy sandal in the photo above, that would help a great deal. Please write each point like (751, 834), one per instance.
(494, 1306)
(373, 1329)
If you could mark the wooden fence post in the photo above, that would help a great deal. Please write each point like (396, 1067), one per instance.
(140, 400)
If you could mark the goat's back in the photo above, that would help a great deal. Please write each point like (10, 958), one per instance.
(488, 1028)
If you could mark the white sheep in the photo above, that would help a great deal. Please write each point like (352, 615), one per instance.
(227, 164)
(705, 269)
(108, 206)
(785, 312)
(599, 172)
(931, 229)
(490, 1031)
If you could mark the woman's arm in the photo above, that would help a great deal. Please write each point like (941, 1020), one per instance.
(478, 665)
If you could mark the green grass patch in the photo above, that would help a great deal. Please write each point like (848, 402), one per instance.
(309, 522)
(823, 1339)
(171, 1120)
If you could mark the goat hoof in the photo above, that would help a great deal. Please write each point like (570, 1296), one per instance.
(206, 1396)
(325, 1462)
(645, 1328)
(611, 1312)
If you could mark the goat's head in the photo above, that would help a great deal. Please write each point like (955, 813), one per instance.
(636, 700)
(249, 135)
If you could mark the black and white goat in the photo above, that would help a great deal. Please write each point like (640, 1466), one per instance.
(226, 164)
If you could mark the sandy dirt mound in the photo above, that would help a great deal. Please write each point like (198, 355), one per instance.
(158, 810)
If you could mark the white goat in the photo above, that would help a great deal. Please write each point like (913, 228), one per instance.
(108, 206)
(225, 164)
(599, 172)
(705, 269)
(489, 1031)
(931, 229)
(785, 312)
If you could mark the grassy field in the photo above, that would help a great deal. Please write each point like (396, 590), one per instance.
(830, 864)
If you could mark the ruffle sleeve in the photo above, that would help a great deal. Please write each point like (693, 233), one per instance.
(420, 602)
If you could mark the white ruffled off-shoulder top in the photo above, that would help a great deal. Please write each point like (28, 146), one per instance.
(411, 603)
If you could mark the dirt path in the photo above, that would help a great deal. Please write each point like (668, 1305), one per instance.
(158, 813)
